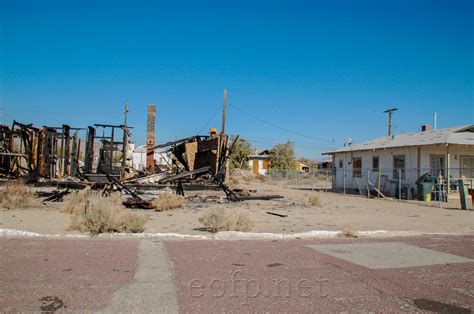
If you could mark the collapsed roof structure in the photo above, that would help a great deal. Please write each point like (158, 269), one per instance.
(53, 155)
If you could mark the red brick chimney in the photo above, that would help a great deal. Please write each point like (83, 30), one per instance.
(425, 127)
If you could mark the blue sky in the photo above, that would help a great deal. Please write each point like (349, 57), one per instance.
(314, 72)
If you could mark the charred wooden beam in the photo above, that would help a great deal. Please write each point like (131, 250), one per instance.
(183, 140)
(89, 153)
(74, 160)
(56, 196)
(276, 214)
(260, 197)
(123, 187)
(185, 174)
(134, 203)
(67, 147)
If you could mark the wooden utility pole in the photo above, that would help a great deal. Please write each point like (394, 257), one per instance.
(389, 111)
(125, 136)
(150, 139)
(224, 112)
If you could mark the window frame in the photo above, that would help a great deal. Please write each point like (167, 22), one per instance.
(442, 167)
(375, 169)
(356, 172)
(395, 168)
(461, 168)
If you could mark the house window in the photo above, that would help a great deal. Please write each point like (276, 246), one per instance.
(398, 164)
(340, 163)
(375, 163)
(467, 166)
(437, 165)
(356, 166)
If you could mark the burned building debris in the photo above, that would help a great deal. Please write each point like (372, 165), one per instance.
(98, 156)
(47, 152)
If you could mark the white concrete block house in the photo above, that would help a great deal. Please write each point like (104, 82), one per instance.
(447, 152)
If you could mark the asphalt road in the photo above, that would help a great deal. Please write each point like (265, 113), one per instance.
(409, 274)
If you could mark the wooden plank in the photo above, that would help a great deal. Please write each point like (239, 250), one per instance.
(465, 204)
(276, 214)
(377, 190)
(185, 174)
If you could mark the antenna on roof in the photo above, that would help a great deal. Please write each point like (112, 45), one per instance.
(389, 111)
(435, 119)
(348, 142)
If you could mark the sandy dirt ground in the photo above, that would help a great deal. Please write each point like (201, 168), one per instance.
(336, 213)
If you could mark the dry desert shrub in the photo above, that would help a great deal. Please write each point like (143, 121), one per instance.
(261, 178)
(247, 178)
(76, 201)
(17, 195)
(222, 219)
(234, 181)
(312, 200)
(349, 233)
(96, 214)
(133, 222)
(167, 201)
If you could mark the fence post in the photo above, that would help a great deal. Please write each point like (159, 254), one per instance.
(326, 181)
(440, 193)
(368, 191)
(399, 184)
(378, 181)
(344, 180)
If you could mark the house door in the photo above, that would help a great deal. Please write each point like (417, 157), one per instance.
(437, 165)
(467, 166)
(255, 166)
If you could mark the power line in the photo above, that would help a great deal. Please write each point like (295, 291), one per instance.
(280, 127)
(210, 119)
(327, 115)
(276, 140)
(296, 143)
(63, 112)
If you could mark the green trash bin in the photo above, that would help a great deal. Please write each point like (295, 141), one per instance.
(424, 188)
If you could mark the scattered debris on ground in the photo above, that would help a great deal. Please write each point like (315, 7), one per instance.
(276, 214)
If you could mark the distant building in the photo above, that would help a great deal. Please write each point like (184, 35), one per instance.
(448, 153)
(299, 166)
(259, 162)
(325, 164)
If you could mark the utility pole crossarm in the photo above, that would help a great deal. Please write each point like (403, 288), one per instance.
(390, 111)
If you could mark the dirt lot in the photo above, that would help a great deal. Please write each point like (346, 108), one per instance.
(336, 213)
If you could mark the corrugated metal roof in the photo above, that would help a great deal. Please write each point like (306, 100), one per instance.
(463, 135)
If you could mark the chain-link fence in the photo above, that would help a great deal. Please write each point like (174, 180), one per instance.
(418, 183)
(409, 184)
(320, 180)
